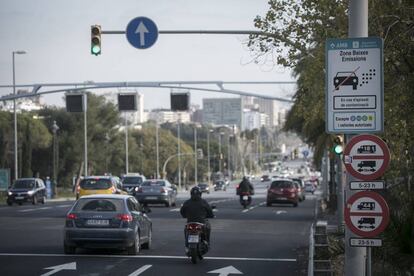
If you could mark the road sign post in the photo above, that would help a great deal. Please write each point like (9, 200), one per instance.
(141, 32)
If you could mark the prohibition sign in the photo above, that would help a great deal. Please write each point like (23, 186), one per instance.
(366, 157)
(366, 214)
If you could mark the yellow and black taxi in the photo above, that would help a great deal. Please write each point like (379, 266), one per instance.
(106, 184)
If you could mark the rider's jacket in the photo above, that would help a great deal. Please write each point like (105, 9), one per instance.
(196, 210)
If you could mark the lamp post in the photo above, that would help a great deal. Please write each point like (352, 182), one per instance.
(55, 129)
(195, 155)
(179, 152)
(208, 156)
(157, 147)
(16, 171)
(220, 155)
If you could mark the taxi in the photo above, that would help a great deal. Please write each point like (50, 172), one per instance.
(92, 185)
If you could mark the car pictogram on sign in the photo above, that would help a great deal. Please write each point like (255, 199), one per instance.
(345, 78)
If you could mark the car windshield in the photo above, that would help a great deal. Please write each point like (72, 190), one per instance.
(24, 184)
(98, 205)
(202, 185)
(281, 184)
(154, 183)
(132, 180)
(96, 184)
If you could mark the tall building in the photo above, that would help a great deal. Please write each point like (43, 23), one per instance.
(223, 111)
(254, 119)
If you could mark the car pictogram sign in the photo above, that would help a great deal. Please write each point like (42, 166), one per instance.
(366, 157)
(366, 214)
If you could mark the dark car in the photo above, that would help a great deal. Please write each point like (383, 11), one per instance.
(132, 181)
(220, 185)
(265, 178)
(27, 190)
(282, 191)
(107, 221)
(204, 187)
(155, 191)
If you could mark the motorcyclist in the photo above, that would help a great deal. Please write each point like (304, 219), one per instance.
(245, 187)
(197, 209)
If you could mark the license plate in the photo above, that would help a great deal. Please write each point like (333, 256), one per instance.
(151, 197)
(19, 197)
(193, 238)
(99, 222)
(245, 197)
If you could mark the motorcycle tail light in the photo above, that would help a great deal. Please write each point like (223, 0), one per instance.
(194, 227)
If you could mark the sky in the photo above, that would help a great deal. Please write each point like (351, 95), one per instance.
(56, 36)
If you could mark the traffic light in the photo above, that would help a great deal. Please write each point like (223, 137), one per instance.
(338, 146)
(96, 39)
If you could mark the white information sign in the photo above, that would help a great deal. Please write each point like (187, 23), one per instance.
(354, 85)
(358, 242)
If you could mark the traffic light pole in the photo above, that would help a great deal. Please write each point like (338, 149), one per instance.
(358, 27)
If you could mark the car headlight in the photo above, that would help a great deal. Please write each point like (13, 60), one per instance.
(9, 193)
(30, 193)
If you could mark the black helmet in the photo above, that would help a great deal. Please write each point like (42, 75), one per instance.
(195, 192)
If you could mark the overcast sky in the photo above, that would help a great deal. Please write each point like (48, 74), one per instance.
(56, 36)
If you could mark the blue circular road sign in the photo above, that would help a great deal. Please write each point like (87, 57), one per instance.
(141, 32)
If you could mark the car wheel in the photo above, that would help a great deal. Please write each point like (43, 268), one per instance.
(43, 199)
(174, 203)
(134, 248)
(168, 203)
(295, 204)
(148, 244)
(69, 249)
(19, 203)
(34, 200)
(10, 203)
(268, 204)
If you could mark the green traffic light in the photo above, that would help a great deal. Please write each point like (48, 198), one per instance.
(338, 149)
(96, 50)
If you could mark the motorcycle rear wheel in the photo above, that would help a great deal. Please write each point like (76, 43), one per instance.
(194, 255)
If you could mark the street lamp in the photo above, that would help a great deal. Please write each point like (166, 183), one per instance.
(208, 155)
(16, 171)
(220, 155)
(157, 147)
(55, 128)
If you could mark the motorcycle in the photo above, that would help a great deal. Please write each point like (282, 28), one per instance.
(196, 244)
(245, 199)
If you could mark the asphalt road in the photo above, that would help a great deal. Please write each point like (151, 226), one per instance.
(259, 240)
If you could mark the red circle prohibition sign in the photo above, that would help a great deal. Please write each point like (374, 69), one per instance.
(385, 157)
(366, 216)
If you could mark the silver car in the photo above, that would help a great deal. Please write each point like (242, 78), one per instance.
(153, 191)
(107, 221)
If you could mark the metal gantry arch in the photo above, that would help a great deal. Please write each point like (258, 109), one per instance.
(214, 86)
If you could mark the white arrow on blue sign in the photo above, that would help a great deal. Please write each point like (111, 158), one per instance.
(141, 32)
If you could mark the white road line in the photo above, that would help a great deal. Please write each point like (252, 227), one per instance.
(149, 257)
(140, 270)
(31, 210)
(175, 210)
(64, 206)
(254, 207)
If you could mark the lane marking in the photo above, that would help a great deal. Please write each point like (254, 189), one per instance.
(253, 207)
(175, 210)
(281, 212)
(64, 206)
(140, 270)
(149, 257)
